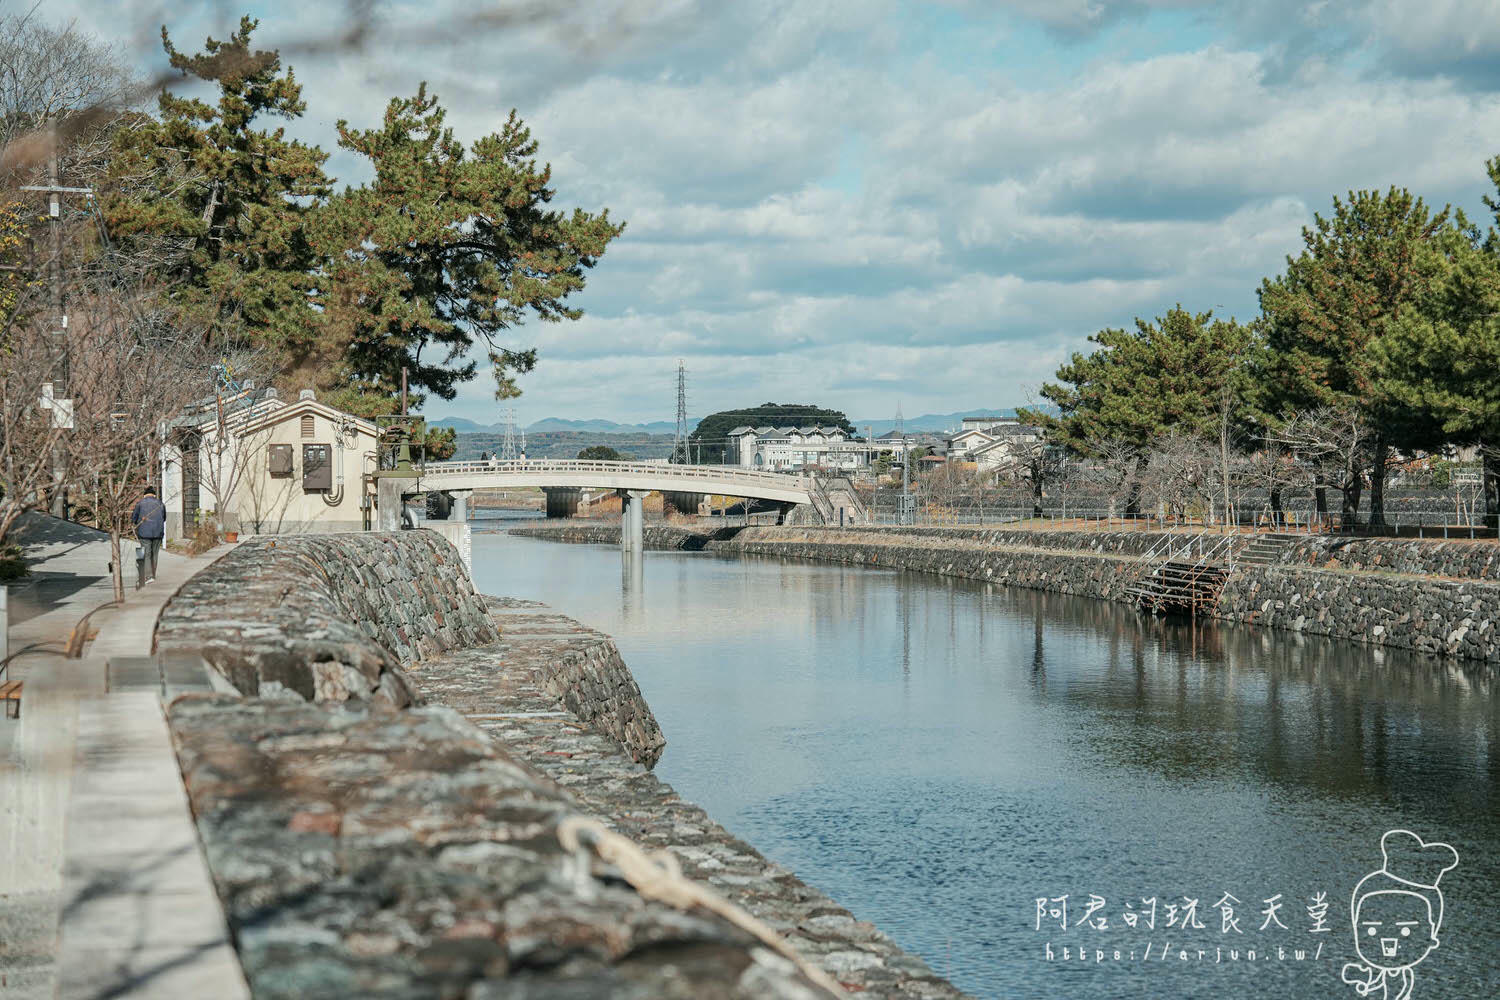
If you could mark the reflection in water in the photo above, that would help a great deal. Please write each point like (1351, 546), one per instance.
(937, 755)
(632, 586)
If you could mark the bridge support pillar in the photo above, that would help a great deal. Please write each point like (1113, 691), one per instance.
(460, 511)
(562, 501)
(633, 520)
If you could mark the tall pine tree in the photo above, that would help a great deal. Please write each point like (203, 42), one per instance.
(224, 200)
(1440, 360)
(447, 247)
(1361, 269)
(1141, 384)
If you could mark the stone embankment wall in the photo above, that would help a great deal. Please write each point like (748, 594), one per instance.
(326, 617)
(367, 853)
(1431, 596)
(555, 666)
(518, 709)
(671, 536)
(361, 851)
(1463, 560)
(1440, 616)
(655, 535)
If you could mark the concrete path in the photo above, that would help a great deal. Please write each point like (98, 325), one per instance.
(97, 841)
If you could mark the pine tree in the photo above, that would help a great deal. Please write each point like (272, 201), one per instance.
(1440, 360)
(1360, 270)
(1141, 384)
(447, 246)
(227, 202)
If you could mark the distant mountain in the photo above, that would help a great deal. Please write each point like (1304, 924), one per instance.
(926, 422)
(461, 424)
(604, 426)
(930, 421)
(565, 444)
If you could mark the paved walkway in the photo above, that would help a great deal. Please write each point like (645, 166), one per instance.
(100, 872)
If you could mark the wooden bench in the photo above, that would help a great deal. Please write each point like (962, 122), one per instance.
(10, 691)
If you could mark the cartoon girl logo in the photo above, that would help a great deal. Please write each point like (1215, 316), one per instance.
(1397, 912)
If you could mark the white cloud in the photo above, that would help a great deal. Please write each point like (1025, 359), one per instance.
(859, 204)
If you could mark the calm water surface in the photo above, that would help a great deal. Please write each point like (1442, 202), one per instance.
(939, 755)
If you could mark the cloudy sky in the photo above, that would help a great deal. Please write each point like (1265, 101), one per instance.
(866, 203)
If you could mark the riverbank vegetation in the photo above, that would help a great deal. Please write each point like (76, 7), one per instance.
(1377, 347)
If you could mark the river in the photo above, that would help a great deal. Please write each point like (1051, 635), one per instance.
(939, 756)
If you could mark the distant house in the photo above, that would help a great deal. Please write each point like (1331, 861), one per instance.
(794, 449)
(966, 441)
(1010, 440)
(264, 465)
(981, 423)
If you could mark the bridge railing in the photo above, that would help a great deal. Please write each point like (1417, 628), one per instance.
(687, 473)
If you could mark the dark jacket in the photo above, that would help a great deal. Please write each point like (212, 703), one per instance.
(149, 518)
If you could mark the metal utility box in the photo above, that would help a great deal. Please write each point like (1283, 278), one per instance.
(280, 461)
(317, 467)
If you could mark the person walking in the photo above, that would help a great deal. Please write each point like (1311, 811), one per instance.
(150, 520)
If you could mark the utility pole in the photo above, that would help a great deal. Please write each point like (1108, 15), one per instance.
(907, 510)
(679, 440)
(55, 397)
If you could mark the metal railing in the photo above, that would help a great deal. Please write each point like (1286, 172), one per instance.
(1214, 554)
(688, 473)
(1415, 524)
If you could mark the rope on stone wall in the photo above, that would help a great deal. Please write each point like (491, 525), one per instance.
(658, 876)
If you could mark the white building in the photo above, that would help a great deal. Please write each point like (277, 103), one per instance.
(793, 449)
(269, 466)
(1009, 440)
(965, 442)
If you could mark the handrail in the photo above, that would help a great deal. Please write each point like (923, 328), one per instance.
(821, 501)
(438, 470)
(848, 487)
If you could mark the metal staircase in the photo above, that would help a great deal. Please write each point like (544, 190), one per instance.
(1186, 574)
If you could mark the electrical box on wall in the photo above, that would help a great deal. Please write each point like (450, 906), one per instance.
(279, 462)
(317, 467)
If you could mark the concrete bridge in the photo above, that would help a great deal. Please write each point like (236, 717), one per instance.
(563, 479)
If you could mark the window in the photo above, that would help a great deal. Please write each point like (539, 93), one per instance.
(307, 425)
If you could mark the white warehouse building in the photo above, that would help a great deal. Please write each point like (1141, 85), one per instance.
(792, 449)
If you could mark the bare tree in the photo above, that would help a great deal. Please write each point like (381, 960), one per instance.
(32, 426)
(950, 487)
(234, 384)
(1112, 468)
(1274, 470)
(60, 89)
(1334, 446)
(1031, 461)
(133, 371)
(1180, 473)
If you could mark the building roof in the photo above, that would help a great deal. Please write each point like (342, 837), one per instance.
(970, 433)
(297, 408)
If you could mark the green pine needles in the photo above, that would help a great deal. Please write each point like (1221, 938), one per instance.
(449, 248)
